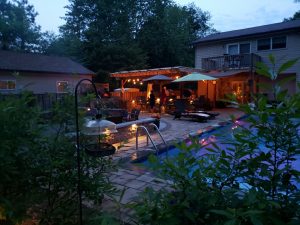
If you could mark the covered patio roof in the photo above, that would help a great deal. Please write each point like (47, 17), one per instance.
(224, 74)
(167, 71)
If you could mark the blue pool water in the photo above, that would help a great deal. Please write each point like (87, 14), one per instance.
(222, 137)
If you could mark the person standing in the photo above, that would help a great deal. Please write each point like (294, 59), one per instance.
(152, 101)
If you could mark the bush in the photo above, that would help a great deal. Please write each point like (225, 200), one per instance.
(38, 167)
(252, 181)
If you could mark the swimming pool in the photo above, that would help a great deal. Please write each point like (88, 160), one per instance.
(222, 137)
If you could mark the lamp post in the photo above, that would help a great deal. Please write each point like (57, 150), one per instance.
(93, 127)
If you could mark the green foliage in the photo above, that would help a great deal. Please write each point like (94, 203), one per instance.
(250, 180)
(39, 170)
(18, 30)
(125, 35)
(20, 142)
(296, 16)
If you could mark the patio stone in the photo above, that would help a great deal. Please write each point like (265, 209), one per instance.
(136, 184)
(146, 178)
(129, 195)
(122, 180)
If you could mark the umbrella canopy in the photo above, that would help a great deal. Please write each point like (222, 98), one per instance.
(158, 78)
(194, 77)
(127, 90)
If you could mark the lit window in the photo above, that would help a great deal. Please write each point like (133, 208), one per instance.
(7, 84)
(264, 44)
(279, 42)
(62, 86)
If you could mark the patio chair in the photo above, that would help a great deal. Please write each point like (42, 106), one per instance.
(203, 103)
(181, 111)
(133, 115)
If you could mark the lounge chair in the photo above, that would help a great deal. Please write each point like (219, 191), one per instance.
(181, 111)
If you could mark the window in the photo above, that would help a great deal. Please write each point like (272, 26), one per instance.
(264, 44)
(271, 43)
(239, 48)
(279, 42)
(245, 48)
(7, 84)
(233, 49)
(62, 86)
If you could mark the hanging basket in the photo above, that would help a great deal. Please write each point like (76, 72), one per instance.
(100, 150)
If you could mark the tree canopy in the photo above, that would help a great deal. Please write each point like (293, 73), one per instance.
(110, 35)
(294, 17)
(18, 30)
(124, 35)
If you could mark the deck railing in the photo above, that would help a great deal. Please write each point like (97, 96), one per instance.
(229, 62)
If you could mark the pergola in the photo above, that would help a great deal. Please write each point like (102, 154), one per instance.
(172, 72)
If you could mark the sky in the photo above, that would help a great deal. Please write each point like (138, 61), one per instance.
(225, 14)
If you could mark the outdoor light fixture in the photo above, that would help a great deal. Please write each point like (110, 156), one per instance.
(96, 127)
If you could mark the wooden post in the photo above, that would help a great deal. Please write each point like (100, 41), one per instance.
(122, 88)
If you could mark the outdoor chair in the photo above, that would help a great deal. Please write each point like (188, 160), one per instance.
(203, 103)
(134, 115)
(181, 111)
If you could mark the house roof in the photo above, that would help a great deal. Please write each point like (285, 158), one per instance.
(32, 62)
(253, 31)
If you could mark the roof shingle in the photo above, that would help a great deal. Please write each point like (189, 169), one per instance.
(271, 28)
(31, 62)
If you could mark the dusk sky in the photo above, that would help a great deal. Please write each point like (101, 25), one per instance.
(226, 14)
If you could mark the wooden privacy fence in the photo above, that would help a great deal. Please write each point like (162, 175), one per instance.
(47, 100)
(44, 101)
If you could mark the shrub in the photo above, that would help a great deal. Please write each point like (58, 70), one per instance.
(252, 181)
(38, 166)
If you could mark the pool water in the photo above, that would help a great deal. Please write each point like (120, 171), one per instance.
(222, 136)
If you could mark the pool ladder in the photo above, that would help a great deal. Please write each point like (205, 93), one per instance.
(149, 137)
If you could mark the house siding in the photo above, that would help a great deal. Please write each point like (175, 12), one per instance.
(209, 50)
(40, 83)
(291, 51)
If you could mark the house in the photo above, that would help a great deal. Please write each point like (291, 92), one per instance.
(39, 73)
(231, 56)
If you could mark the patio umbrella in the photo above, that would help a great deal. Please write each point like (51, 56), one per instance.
(158, 78)
(196, 77)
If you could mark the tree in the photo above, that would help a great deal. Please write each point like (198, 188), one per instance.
(110, 36)
(18, 30)
(294, 17)
(169, 31)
